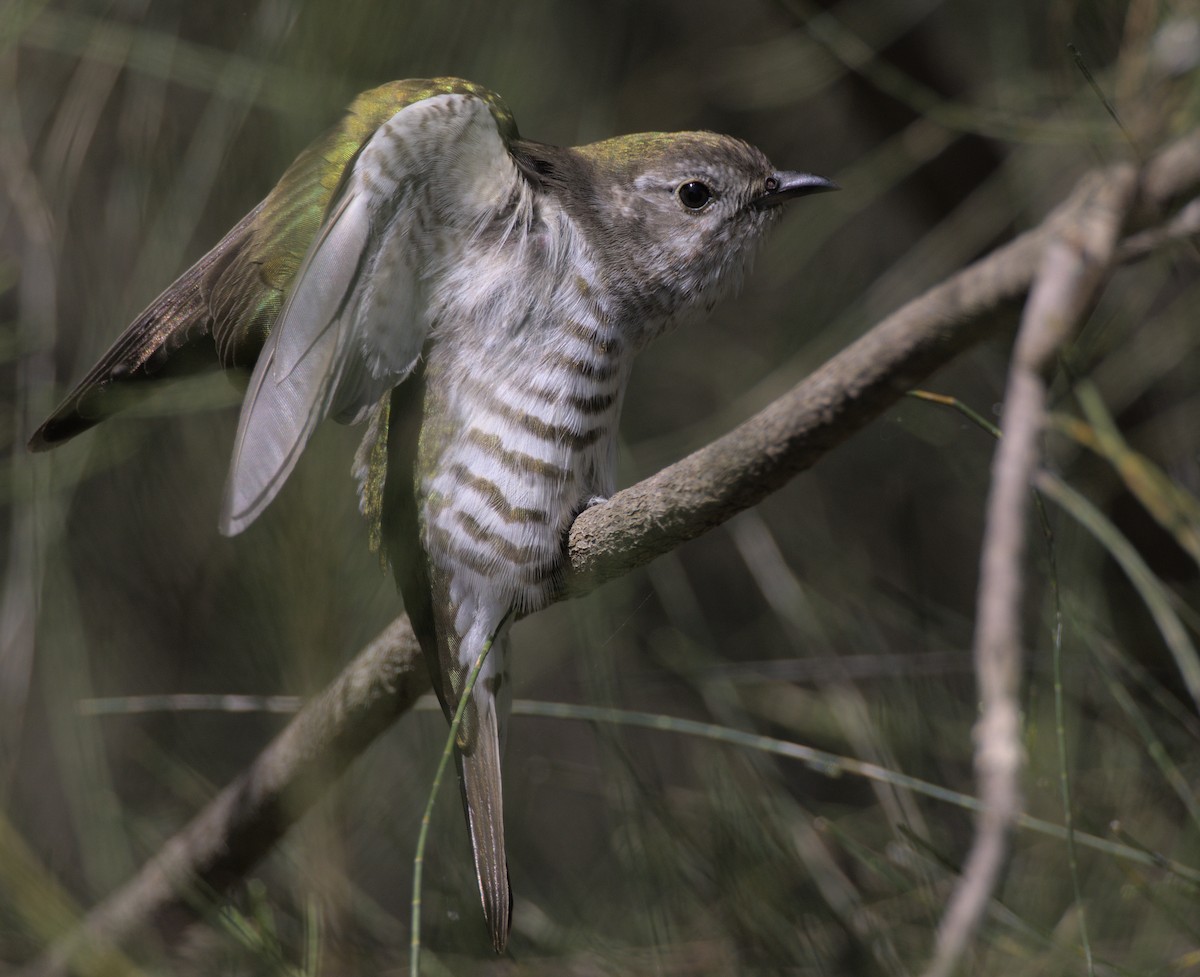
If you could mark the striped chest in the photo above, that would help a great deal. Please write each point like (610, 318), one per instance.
(524, 377)
(514, 444)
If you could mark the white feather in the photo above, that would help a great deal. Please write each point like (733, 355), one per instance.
(356, 318)
(295, 377)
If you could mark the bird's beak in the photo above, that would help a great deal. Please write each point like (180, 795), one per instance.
(784, 186)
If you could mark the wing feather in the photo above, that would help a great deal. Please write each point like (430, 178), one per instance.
(356, 319)
(221, 310)
(294, 380)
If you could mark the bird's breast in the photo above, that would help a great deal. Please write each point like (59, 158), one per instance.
(517, 438)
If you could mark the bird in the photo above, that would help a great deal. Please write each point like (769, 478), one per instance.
(477, 299)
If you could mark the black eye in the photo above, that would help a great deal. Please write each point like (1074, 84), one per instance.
(694, 195)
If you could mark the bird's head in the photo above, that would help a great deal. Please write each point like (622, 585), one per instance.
(674, 217)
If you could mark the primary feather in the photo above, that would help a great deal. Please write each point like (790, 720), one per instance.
(356, 318)
(220, 311)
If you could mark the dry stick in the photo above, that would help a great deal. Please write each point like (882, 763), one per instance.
(681, 502)
(1077, 259)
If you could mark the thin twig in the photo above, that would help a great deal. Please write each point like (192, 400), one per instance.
(1076, 260)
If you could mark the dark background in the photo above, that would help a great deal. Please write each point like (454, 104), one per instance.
(838, 614)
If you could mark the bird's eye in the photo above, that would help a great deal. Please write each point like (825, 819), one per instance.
(695, 195)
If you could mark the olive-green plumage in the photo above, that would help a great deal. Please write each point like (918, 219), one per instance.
(227, 303)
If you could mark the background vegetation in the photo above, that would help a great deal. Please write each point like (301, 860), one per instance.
(839, 614)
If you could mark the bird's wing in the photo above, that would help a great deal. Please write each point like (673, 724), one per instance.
(245, 295)
(231, 298)
(169, 338)
(356, 316)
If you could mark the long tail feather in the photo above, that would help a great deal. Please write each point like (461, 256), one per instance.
(479, 774)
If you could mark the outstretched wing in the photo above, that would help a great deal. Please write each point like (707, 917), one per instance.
(220, 311)
(357, 314)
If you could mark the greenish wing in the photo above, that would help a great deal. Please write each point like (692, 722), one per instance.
(231, 298)
(247, 286)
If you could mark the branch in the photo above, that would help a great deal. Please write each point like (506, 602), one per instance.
(245, 820)
(1072, 269)
(679, 503)
(742, 468)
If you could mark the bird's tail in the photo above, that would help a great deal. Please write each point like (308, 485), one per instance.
(479, 775)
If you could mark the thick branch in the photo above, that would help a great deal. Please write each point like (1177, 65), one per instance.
(245, 820)
(683, 501)
(742, 468)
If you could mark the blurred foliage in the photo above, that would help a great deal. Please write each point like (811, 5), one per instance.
(838, 614)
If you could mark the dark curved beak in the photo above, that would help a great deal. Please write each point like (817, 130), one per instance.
(785, 185)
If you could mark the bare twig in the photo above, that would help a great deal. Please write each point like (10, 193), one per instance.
(1183, 227)
(679, 503)
(1070, 273)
